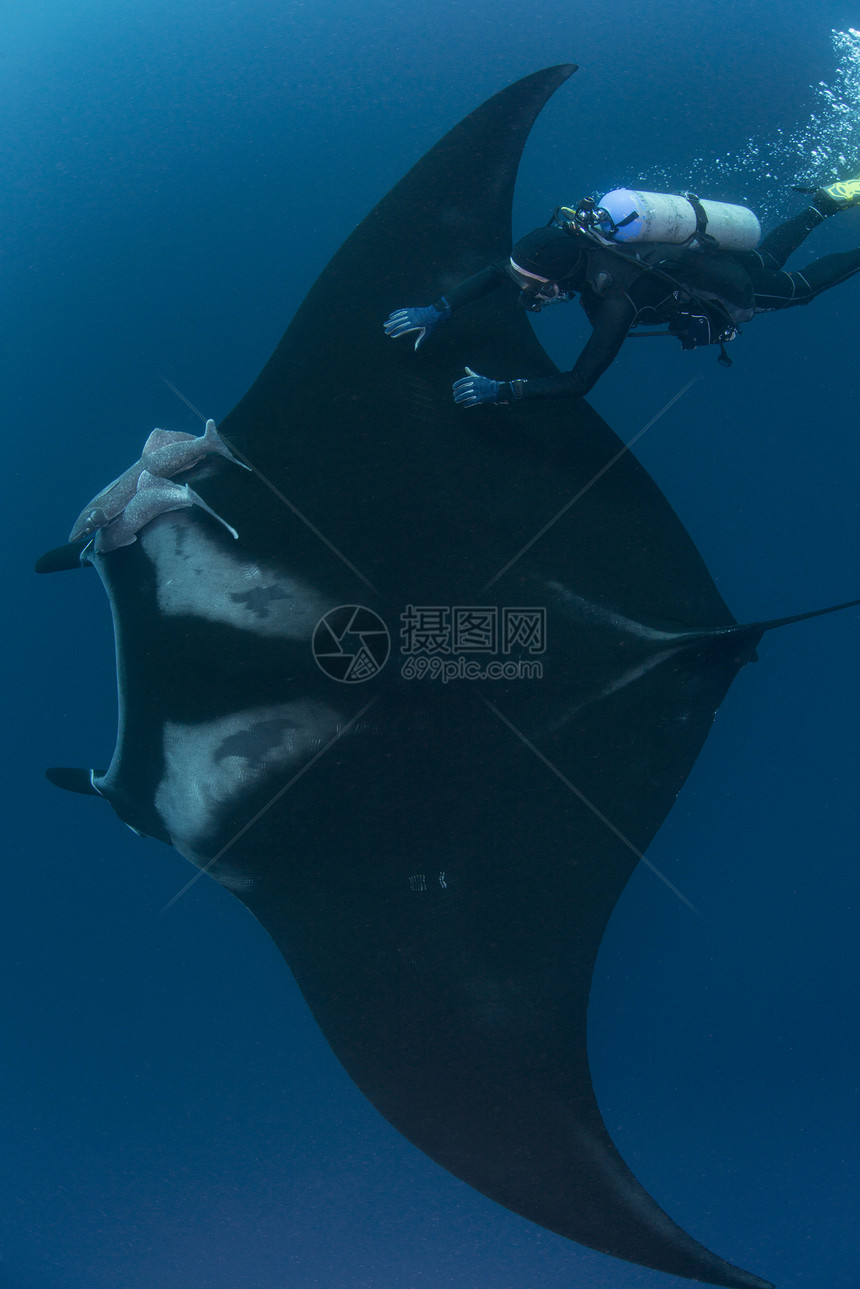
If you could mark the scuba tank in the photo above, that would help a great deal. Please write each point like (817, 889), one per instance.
(628, 215)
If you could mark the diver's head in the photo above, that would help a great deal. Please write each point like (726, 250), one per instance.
(535, 291)
(547, 265)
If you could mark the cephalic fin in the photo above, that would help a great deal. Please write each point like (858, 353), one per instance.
(74, 779)
(63, 558)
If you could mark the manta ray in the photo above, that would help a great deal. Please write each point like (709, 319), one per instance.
(419, 688)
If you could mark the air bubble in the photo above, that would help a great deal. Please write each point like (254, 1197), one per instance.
(815, 152)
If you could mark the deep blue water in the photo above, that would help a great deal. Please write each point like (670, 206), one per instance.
(175, 176)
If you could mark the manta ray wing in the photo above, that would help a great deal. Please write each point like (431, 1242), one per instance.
(437, 862)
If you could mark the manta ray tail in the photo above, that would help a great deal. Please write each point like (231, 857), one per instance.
(773, 623)
(757, 629)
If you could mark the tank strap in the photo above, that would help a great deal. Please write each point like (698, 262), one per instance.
(701, 234)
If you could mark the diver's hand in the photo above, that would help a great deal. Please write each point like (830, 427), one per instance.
(423, 319)
(472, 389)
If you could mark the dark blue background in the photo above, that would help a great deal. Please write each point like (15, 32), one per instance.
(175, 175)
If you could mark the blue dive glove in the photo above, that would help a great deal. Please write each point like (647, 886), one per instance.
(473, 389)
(424, 319)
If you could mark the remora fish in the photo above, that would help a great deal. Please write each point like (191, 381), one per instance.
(165, 453)
(161, 438)
(154, 496)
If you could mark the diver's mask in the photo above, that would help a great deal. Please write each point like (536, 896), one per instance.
(535, 291)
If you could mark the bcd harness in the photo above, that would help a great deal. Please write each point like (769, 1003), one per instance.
(695, 326)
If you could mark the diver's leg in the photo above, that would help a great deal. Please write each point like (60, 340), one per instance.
(822, 274)
(781, 290)
(786, 237)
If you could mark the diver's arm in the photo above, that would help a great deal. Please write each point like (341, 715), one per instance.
(611, 322)
(425, 318)
(475, 287)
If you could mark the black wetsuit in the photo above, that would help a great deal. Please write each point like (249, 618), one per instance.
(729, 287)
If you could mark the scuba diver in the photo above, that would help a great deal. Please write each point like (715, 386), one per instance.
(645, 259)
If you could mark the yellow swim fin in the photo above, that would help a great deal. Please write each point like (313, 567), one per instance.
(845, 193)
